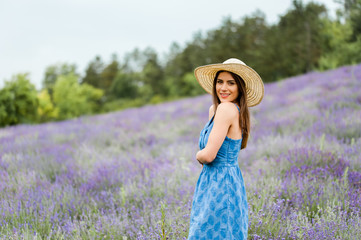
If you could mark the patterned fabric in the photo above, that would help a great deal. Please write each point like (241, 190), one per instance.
(219, 209)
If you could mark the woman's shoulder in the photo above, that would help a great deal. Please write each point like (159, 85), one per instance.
(211, 109)
(226, 112)
(228, 108)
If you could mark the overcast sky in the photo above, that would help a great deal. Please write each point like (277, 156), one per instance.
(39, 33)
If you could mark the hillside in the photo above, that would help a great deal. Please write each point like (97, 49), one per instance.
(112, 176)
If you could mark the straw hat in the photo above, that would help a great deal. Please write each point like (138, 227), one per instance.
(254, 86)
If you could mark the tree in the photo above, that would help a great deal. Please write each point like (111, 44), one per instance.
(93, 72)
(301, 43)
(338, 48)
(53, 71)
(190, 86)
(18, 101)
(352, 12)
(108, 74)
(355, 18)
(146, 71)
(92, 98)
(46, 108)
(72, 99)
(123, 86)
(153, 75)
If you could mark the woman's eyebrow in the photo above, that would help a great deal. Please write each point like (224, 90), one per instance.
(226, 80)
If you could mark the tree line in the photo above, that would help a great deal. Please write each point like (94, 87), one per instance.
(304, 39)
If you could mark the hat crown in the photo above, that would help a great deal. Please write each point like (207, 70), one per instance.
(233, 60)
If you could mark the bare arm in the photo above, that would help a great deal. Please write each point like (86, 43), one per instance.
(226, 112)
(211, 112)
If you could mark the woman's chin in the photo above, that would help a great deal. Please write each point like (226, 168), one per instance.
(225, 100)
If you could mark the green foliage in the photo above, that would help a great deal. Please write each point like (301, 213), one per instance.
(163, 223)
(338, 50)
(352, 13)
(190, 86)
(18, 101)
(153, 77)
(92, 97)
(72, 99)
(146, 71)
(108, 74)
(122, 103)
(124, 86)
(46, 109)
(301, 39)
(345, 54)
(54, 71)
(355, 18)
(93, 72)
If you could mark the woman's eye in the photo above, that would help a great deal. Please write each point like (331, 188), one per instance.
(219, 81)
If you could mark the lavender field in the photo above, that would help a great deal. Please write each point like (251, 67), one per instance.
(131, 174)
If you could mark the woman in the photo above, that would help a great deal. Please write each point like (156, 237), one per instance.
(219, 209)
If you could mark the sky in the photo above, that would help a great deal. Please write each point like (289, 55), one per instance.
(39, 33)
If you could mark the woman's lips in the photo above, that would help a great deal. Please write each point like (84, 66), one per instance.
(224, 95)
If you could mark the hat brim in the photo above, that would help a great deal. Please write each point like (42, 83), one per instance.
(254, 86)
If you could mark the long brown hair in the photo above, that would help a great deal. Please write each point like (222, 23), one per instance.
(241, 100)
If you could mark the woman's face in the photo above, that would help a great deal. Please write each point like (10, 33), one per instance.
(226, 87)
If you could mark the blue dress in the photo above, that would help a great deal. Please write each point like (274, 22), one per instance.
(219, 208)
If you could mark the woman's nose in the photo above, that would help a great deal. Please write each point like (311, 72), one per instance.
(224, 86)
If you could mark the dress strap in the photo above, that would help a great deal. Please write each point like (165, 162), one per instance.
(239, 110)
